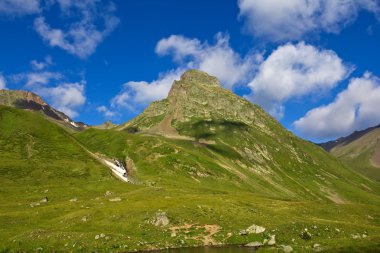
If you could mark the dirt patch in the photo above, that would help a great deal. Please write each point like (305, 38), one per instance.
(206, 238)
(233, 170)
(165, 127)
(333, 196)
(29, 147)
(376, 157)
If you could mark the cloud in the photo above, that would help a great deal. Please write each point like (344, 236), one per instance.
(66, 97)
(139, 94)
(35, 78)
(37, 65)
(355, 108)
(218, 59)
(106, 112)
(295, 71)
(94, 21)
(19, 7)
(3, 84)
(293, 19)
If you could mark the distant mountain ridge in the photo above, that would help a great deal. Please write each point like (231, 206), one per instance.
(360, 151)
(328, 146)
(30, 101)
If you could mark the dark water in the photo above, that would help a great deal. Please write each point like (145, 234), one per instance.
(225, 249)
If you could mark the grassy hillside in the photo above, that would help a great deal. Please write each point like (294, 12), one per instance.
(201, 174)
(191, 183)
(232, 168)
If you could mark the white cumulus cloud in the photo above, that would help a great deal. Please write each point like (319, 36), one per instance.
(217, 59)
(139, 94)
(89, 22)
(106, 112)
(293, 71)
(40, 65)
(19, 7)
(355, 108)
(66, 97)
(280, 20)
(63, 95)
(35, 78)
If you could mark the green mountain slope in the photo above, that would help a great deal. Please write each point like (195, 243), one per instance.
(360, 151)
(205, 165)
(226, 137)
(203, 142)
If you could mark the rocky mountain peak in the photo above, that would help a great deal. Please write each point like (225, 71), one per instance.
(199, 77)
(197, 96)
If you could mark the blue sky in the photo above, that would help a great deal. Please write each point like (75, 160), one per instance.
(311, 64)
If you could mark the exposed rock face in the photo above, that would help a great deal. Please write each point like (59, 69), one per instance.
(29, 101)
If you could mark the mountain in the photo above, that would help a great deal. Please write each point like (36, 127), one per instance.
(197, 97)
(360, 151)
(205, 167)
(245, 144)
(29, 101)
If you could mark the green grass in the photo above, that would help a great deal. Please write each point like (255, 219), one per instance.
(193, 183)
(358, 154)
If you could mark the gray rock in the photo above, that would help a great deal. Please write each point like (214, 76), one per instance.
(272, 240)
(355, 236)
(255, 229)
(243, 232)
(305, 235)
(317, 247)
(161, 220)
(286, 248)
(33, 204)
(254, 244)
(44, 200)
(115, 200)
